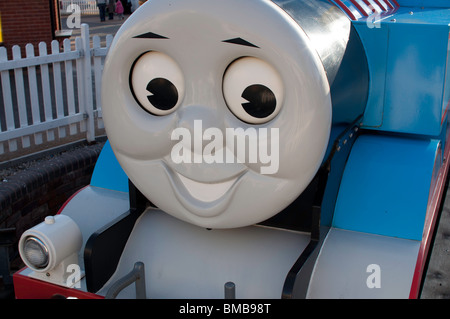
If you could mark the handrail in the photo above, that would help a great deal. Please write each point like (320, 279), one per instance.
(136, 275)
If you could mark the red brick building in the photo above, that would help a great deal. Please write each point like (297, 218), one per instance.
(28, 21)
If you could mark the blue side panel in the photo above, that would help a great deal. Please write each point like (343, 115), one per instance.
(415, 78)
(424, 3)
(385, 186)
(375, 41)
(108, 173)
(446, 101)
(407, 53)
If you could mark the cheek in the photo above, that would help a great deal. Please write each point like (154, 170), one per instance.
(135, 132)
(301, 150)
(287, 150)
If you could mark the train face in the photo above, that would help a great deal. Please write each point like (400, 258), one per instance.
(233, 79)
(238, 128)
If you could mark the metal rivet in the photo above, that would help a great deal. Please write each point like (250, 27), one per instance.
(49, 220)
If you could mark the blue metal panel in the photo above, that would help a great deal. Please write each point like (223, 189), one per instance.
(108, 173)
(416, 68)
(408, 61)
(424, 3)
(423, 15)
(385, 186)
(446, 101)
(375, 40)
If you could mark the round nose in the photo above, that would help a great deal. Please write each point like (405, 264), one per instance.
(197, 119)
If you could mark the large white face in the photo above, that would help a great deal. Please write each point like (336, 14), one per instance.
(218, 111)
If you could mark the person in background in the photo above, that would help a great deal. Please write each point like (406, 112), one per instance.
(101, 4)
(127, 7)
(111, 9)
(119, 9)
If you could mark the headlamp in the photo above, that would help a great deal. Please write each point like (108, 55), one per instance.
(50, 247)
(35, 252)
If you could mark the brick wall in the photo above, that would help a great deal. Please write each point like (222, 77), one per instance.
(30, 195)
(26, 21)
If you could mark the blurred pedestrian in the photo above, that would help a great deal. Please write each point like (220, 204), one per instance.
(101, 4)
(127, 9)
(111, 9)
(119, 9)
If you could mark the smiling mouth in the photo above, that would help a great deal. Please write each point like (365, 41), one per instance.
(206, 192)
(203, 199)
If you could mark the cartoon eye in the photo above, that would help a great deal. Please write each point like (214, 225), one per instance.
(157, 83)
(253, 90)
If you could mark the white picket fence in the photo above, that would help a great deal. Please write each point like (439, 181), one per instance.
(51, 95)
(87, 7)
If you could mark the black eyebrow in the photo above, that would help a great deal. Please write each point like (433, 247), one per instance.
(240, 41)
(150, 35)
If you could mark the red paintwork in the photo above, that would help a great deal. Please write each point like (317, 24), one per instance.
(346, 9)
(360, 9)
(437, 191)
(30, 288)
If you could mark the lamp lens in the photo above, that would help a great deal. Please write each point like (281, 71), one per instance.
(36, 252)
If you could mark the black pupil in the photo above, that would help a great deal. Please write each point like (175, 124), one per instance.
(261, 101)
(165, 94)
